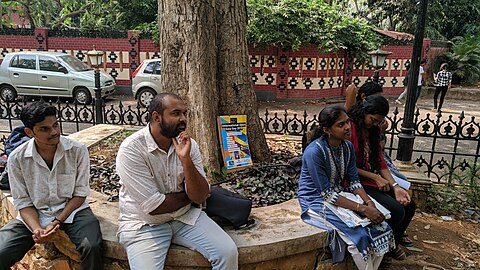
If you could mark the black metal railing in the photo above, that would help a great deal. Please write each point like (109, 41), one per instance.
(446, 145)
(74, 117)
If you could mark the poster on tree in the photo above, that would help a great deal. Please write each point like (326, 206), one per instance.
(233, 135)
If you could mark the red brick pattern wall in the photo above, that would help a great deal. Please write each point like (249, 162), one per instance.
(306, 73)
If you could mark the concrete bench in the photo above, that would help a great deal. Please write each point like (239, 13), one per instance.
(278, 240)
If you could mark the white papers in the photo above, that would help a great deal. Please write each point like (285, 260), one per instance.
(351, 218)
(402, 183)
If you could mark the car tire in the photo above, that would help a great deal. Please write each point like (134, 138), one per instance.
(82, 96)
(145, 96)
(8, 93)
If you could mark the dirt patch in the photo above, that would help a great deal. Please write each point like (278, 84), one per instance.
(441, 244)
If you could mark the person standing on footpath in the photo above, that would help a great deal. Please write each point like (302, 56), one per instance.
(421, 80)
(444, 82)
(163, 185)
(405, 83)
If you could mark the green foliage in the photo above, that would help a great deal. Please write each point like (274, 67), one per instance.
(150, 30)
(460, 195)
(464, 62)
(291, 23)
(445, 18)
(216, 176)
(399, 15)
(85, 14)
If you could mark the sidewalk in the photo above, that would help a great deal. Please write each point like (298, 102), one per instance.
(451, 106)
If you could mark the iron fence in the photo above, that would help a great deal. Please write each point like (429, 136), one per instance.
(446, 146)
(74, 117)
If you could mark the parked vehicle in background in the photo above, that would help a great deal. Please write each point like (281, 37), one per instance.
(50, 74)
(146, 81)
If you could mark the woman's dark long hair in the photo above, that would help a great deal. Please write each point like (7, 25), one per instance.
(368, 88)
(326, 118)
(370, 105)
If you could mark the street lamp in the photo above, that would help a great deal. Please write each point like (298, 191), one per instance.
(406, 137)
(95, 59)
(378, 58)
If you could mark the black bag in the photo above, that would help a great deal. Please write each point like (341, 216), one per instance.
(227, 208)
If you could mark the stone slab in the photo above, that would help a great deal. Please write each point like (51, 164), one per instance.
(278, 232)
(278, 239)
(95, 134)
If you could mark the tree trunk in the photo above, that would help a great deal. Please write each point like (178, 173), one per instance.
(234, 79)
(391, 23)
(209, 68)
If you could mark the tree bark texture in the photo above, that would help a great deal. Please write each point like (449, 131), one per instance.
(205, 60)
(234, 79)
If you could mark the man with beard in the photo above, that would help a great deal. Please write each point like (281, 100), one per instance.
(162, 185)
(49, 180)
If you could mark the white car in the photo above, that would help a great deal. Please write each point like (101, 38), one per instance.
(50, 74)
(146, 81)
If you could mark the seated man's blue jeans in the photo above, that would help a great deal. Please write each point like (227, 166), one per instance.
(147, 247)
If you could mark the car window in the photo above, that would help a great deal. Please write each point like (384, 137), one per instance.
(24, 61)
(157, 68)
(150, 68)
(49, 64)
(74, 63)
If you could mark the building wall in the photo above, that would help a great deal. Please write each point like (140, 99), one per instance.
(307, 73)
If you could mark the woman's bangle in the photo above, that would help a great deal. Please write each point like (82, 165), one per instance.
(394, 185)
(369, 201)
(358, 206)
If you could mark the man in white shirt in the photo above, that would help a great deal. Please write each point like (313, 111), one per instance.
(49, 180)
(421, 79)
(162, 183)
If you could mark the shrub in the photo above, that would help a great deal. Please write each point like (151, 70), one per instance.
(460, 196)
(289, 24)
(464, 62)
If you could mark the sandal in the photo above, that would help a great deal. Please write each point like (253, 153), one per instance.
(406, 241)
(398, 254)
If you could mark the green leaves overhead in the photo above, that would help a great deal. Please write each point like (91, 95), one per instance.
(466, 59)
(450, 18)
(292, 23)
(445, 18)
(84, 14)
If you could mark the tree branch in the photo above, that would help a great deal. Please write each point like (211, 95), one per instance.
(28, 12)
(61, 20)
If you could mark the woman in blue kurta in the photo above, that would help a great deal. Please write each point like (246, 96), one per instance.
(328, 170)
